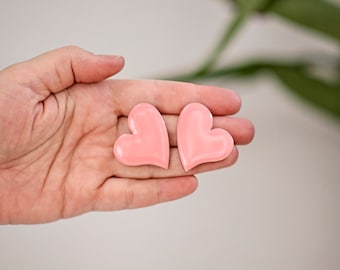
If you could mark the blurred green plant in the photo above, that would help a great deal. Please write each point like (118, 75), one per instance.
(299, 76)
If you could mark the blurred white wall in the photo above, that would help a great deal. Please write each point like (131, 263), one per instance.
(278, 208)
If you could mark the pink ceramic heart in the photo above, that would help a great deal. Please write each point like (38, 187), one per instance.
(197, 142)
(148, 143)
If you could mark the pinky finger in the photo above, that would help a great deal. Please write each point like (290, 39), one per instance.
(121, 193)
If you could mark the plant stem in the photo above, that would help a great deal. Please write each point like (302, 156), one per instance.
(230, 32)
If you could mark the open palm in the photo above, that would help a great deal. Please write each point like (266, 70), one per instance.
(59, 119)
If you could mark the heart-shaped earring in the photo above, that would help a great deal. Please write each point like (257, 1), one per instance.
(149, 141)
(197, 142)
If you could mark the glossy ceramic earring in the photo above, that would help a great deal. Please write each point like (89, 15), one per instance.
(197, 142)
(149, 141)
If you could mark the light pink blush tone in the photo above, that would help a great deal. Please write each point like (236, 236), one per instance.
(149, 143)
(197, 142)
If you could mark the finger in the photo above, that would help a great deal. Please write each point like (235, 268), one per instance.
(170, 97)
(61, 68)
(175, 167)
(120, 193)
(242, 130)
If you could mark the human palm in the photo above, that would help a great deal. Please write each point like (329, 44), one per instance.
(59, 119)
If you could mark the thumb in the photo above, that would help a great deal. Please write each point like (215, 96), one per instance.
(61, 68)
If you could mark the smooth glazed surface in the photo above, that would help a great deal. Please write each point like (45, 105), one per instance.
(197, 142)
(149, 143)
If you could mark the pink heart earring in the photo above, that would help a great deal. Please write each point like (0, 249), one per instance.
(197, 142)
(149, 141)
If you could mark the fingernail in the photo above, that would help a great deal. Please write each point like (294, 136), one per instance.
(110, 56)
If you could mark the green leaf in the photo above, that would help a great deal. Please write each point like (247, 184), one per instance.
(318, 15)
(323, 94)
(237, 71)
(259, 5)
(295, 76)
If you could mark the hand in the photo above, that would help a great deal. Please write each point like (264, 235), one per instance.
(59, 119)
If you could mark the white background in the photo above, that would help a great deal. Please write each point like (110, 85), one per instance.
(277, 208)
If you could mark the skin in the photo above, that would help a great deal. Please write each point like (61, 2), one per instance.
(59, 119)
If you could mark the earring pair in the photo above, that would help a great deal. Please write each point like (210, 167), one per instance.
(148, 143)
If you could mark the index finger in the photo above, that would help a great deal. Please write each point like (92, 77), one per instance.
(170, 97)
